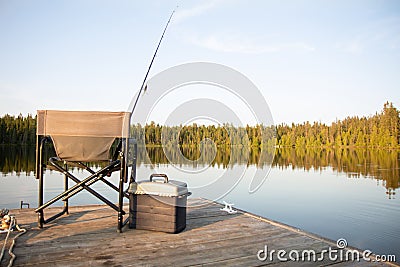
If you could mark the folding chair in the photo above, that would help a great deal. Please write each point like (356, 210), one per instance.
(79, 138)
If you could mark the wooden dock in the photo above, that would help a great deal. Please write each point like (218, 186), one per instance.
(88, 237)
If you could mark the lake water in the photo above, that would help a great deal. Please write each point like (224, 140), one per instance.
(349, 194)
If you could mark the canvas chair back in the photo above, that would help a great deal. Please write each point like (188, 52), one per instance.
(83, 135)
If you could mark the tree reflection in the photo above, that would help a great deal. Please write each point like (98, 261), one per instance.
(18, 159)
(382, 165)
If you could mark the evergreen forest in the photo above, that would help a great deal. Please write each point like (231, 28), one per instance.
(381, 130)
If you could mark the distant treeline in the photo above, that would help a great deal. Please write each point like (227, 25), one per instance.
(193, 135)
(18, 130)
(381, 130)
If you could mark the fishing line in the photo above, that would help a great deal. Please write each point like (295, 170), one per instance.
(144, 87)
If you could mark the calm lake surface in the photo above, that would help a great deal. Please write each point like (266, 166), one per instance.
(351, 194)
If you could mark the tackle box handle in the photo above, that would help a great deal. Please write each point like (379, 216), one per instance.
(159, 175)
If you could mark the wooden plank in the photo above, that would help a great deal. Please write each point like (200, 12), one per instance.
(158, 241)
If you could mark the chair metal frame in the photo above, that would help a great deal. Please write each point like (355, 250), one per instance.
(119, 162)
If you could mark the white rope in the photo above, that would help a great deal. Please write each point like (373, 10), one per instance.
(5, 242)
(22, 231)
(12, 255)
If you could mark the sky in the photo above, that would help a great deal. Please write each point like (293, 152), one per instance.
(311, 60)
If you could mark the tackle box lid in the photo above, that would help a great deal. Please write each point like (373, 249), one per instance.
(165, 187)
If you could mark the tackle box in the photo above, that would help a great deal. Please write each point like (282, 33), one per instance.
(158, 205)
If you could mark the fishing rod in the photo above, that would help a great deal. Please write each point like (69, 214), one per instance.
(133, 172)
(151, 63)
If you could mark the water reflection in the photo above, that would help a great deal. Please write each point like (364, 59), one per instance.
(225, 157)
(382, 165)
(17, 159)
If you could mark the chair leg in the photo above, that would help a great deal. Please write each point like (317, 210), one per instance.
(40, 200)
(121, 195)
(40, 142)
(65, 189)
(40, 203)
(40, 176)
